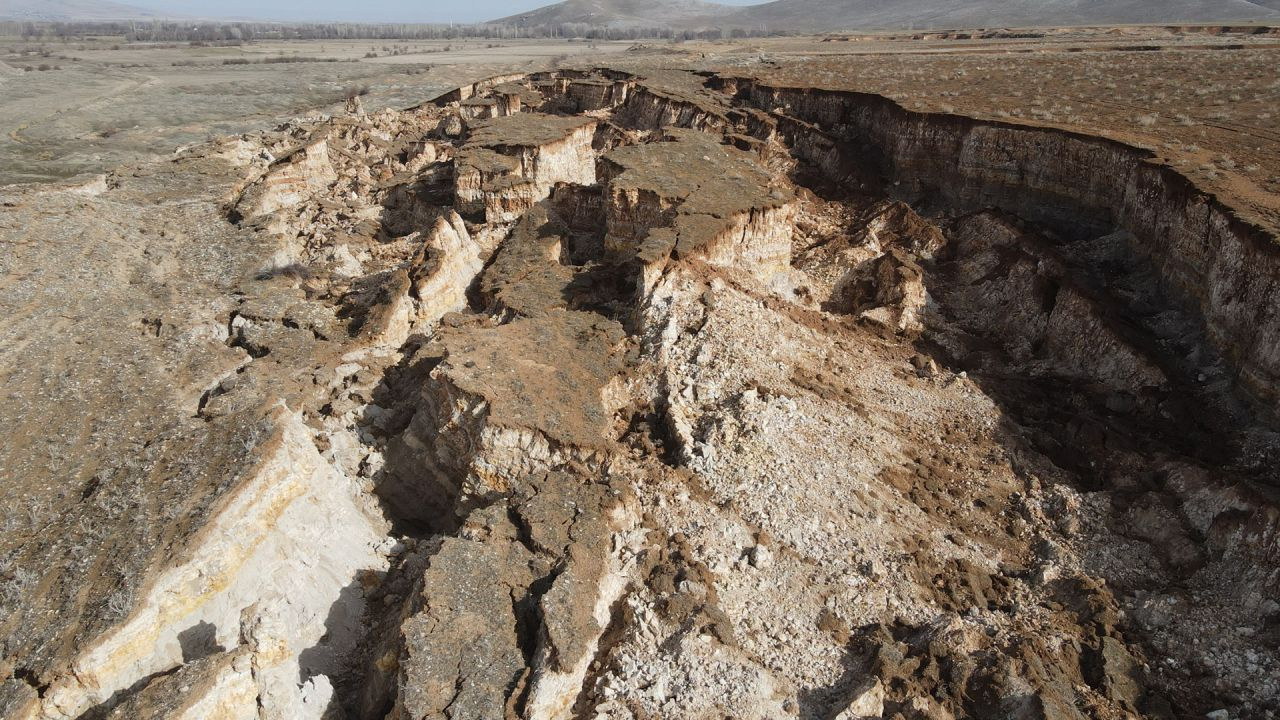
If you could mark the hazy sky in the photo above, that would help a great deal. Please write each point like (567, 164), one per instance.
(356, 10)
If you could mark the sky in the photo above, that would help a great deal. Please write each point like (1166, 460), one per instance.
(409, 11)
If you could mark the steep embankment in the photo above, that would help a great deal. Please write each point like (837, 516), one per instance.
(1077, 184)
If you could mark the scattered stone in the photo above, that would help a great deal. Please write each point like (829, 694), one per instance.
(867, 702)
(926, 367)
(761, 557)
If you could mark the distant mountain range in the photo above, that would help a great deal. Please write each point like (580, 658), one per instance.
(829, 15)
(784, 15)
(625, 13)
(66, 10)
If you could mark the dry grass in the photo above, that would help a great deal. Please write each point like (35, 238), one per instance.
(1208, 111)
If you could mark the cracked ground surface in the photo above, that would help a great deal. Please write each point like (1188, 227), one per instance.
(613, 393)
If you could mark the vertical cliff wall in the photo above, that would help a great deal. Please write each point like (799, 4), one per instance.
(1216, 262)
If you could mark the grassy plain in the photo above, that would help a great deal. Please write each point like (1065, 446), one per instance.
(103, 102)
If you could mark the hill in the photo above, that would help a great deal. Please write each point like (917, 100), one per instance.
(893, 14)
(626, 13)
(825, 15)
(69, 10)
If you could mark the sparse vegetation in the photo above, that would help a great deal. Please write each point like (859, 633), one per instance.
(202, 35)
(119, 603)
(294, 271)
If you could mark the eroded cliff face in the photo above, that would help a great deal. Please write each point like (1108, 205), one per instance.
(242, 584)
(1207, 256)
(506, 166)
(592, 395)
(692, 196)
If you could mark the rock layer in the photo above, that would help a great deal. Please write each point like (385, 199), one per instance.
(508, 165)
(1215, 260)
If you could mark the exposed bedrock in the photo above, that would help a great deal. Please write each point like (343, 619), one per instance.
(583, 92)
(510, 450)
(504, 402)
(689, 195)
(434, 283)
(513, 398)
(591, 394)
(467, 92)
(293, 506)
(651, 108)
(509, 164)
(442, 272)
(1205, 253)
(1004, 282)
(1084, 372)
(289, 181)
(500, 100)
(516, 637)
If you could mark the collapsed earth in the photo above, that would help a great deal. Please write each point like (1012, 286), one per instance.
(642, 393)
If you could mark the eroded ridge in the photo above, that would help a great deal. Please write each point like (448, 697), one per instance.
(591, 394)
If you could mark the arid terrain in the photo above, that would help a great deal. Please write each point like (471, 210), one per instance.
(880, 376)
(99, 103)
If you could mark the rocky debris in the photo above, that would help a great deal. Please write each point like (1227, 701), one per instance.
(1086, 673)
(867, 702)
(508, 165)
(736, 427)
(714, 202)
(219, 685)
(498, 408)
(899, 297)
(441, 274)
(521, 633)
(897, 225)
(297, 176)
(528, 276)
(510, 399)
(462, 652)
(451, 126)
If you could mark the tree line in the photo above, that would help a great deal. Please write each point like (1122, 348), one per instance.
(238, 32)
